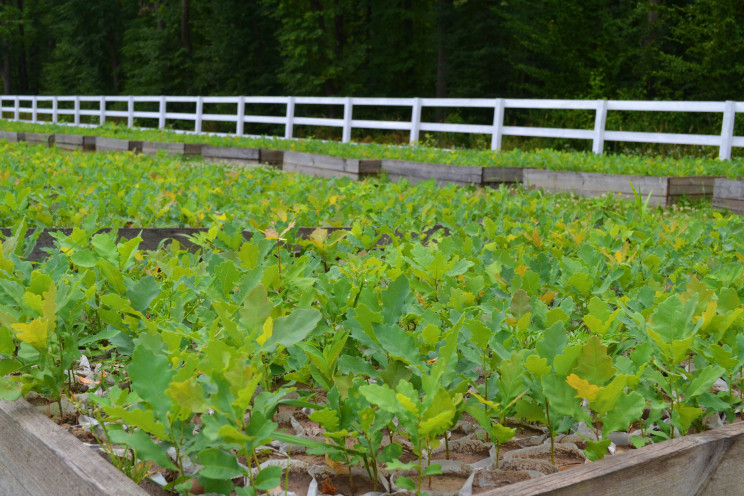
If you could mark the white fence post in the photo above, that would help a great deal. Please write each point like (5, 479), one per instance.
(161, 117)
(498, 124)
(348, 108)
(415, 120)
(76, 117)
(130, 111)
(727, 130)
(199, 114)
(17, 111)
(102, 111)
(55, 109)
(240, 123)
(33, 109)
(600, 122)
(289, 125)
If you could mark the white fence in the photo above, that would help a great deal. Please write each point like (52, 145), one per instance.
(34, 106)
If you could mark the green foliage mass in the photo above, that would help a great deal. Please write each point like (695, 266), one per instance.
(534, 308)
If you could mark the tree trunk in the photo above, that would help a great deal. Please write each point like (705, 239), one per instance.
(7, 88)
(443, 13)
(185, 28)
(22, 71)
(114, 60)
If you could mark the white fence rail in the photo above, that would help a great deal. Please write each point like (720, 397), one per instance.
(35, 106)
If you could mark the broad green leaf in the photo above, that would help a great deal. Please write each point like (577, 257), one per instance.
(141, 443)
(9, 390)
(433, 469)
(382, 396)
(293, 328)
(520, 303)
(142, 292)
(554, 339)
(405, 483)
(327, 418)
(538, 366)
(189, 395)
(596, 450)
(582, 282)
(594, 365)
(502, 433)
(216, 464)
(703, 380)
(268, 478)
(149, 371)
(628, 409)
(397, 343)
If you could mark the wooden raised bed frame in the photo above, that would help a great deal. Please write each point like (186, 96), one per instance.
(38, 457)
(729, 194)
(663, 191)
(327, 166)
(186, 149)
(706, 464)
(75, 142)
(117, 145)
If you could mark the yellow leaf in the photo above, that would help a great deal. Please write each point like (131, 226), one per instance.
(34, 333)
(548, 297)
(268, 330)
(407, 403)
(583, 387)
(319, 235)
(521, 270)
(524, 322)
(709, 313)
(484, 401)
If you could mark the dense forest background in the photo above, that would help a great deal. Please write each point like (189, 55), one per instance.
(649, 49)
(613, 49)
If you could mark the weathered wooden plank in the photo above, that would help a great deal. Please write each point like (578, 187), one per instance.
(308, 162)
(505, 175)
(442, 173)
(706, 464)
(186, 149)
(39, 457)
(318, 172)
(117, 145)
(729, 188)
(735, 206)
(75, 142)
(696, 186)
(12, 137)
(40, 139)
(232, 155)
(589, 184)
(271, 157)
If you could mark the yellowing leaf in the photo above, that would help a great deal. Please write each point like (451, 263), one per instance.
(406, 402)
(34, 333)
(268, 330)
(709, 313)
(484, 400)
(583, 388)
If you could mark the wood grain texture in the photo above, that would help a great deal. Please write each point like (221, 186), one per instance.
(75, 142)
(441, 173)
(328, 166)
(697, 186)
(12, 137)
(186, 149)
(231, 154)
(734, 206)
(39, 457)
(271, 157)
(728, 188)
(590, 184)
(503, 175)
(706, 464)
(40, 139)
(117, 145)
